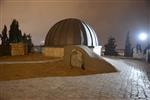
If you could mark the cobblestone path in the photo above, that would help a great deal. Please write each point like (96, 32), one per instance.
(131, 82)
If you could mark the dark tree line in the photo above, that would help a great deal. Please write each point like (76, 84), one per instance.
(15, 35)
(110, 47)
(27, 39)
(128, 49)
(4, 37)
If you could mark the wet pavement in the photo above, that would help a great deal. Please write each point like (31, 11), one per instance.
(131, 82)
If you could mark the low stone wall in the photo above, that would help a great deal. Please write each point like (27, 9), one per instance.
(18, 49)
(53, 51)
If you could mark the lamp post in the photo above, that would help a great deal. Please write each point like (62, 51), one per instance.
(138, 52)
(142, 37)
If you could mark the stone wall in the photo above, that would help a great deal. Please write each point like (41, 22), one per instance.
(18, 49)
(80, 56)
(76, 58)
(53, 51)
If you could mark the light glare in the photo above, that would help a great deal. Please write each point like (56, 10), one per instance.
(143, 36)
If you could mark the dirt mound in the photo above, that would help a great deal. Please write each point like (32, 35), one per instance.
(17, 71)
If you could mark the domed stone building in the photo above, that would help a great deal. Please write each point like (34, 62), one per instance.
(75, 41)
(70, 32)
(77, 44)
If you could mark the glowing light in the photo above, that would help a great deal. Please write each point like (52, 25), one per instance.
(143, 36)
(42, 42)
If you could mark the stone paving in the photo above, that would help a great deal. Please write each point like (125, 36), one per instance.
(131, 82)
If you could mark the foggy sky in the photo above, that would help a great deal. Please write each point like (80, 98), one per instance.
(107, 17)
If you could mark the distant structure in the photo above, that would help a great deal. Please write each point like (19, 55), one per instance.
(74, 40)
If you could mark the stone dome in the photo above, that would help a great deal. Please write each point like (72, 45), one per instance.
(71, 32)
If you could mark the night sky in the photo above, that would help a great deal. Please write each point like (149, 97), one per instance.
(107, 17)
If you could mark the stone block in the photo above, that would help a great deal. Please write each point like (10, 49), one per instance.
(76, 58)
(80, 56)
(18, 49)
(53, 51)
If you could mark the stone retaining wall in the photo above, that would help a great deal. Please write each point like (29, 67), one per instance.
(18, 49)
(79, 56)
(53, 51)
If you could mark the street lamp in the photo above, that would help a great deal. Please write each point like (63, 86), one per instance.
(143, 36)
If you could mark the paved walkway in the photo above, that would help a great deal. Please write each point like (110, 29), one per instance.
(130, 83)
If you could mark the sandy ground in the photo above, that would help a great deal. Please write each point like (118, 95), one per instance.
(132, 82)
(30, 57)
(25, 67)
